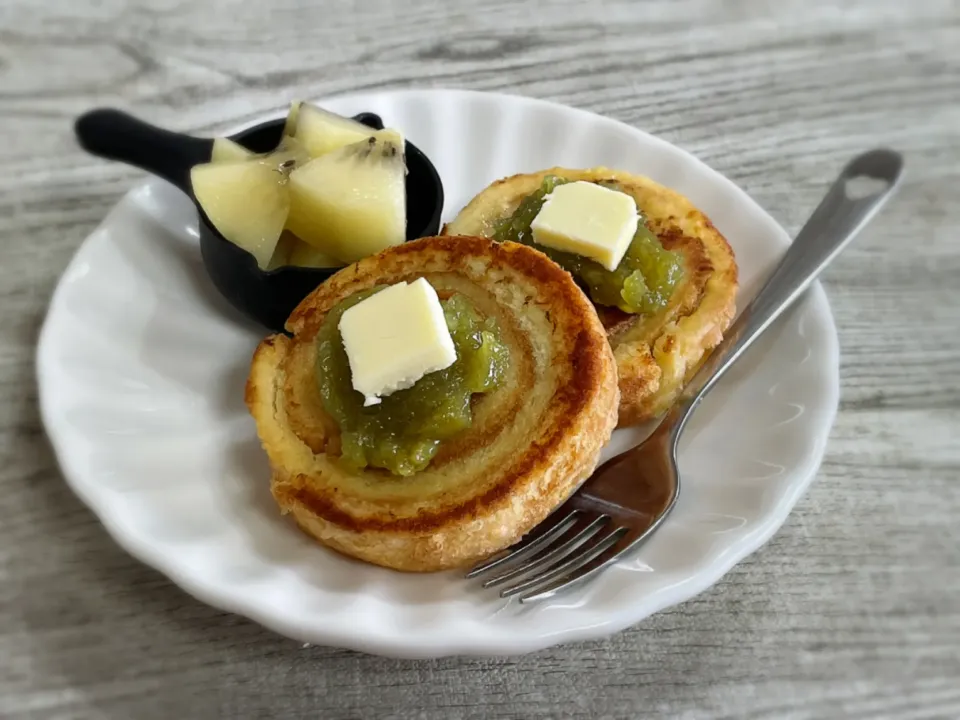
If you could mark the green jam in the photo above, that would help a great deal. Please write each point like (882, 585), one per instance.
(642, 282)
(404, 432)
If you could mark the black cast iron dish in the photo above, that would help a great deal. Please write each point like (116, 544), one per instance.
(268, 297)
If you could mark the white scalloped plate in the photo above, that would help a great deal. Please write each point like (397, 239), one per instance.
(142, 365)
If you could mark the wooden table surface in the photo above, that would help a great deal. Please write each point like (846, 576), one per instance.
(852, 610)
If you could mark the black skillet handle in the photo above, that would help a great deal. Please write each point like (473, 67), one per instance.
(115, 135)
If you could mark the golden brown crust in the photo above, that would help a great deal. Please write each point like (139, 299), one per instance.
(656, 354)
(532, 442)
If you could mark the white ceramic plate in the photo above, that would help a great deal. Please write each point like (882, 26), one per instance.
(142, 365)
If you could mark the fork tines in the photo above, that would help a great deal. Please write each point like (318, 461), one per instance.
(568, 547)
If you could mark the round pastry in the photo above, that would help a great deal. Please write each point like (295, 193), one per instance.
(532, 438)
(659, 348)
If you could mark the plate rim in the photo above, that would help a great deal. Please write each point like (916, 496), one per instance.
(432, 646)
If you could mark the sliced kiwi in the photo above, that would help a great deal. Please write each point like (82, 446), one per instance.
(226, 150)
(281, 253)
(322, 132)
(289, 154)
(304, 255)
(290, 125)
(291, 250)
(247, 201)
(351, 202)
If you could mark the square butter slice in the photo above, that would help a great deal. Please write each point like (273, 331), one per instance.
(589, 220)
(394, 338)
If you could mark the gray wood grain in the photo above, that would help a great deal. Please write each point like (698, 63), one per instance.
(852, 610)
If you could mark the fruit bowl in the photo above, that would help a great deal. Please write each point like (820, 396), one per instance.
(265, 296)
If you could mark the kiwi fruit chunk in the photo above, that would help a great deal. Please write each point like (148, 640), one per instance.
(321, 132)
(290, 124)
(351, 202)
(291, 250)
(247, 202)
(305, 255)
(226, 150)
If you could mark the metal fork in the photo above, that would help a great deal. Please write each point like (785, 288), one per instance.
(629, 496)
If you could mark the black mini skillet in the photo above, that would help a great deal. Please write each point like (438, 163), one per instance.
(266, 296)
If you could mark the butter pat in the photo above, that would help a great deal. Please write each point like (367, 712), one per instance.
(394, 338)
(589, 220)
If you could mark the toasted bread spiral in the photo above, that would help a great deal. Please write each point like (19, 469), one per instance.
(533, 440)
(657, 353)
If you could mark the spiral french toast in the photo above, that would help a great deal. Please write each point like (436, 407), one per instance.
(531, 441)
(657, 351)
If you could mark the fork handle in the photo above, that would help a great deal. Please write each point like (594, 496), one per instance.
(839, 217)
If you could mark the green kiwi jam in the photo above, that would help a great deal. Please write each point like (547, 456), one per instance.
(642, 282)
(403, 433)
